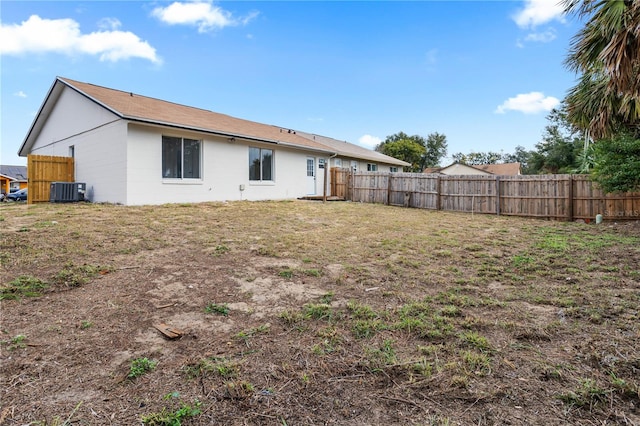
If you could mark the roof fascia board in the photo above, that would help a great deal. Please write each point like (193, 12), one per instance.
(103, 105)
(59, 82)
(307, 148)
(36, 120)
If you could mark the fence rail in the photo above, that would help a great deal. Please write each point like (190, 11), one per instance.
(557, 197)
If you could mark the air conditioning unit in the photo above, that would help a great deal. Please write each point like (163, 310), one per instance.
(67, 192)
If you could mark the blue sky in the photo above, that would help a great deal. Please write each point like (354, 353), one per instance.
(483, 73)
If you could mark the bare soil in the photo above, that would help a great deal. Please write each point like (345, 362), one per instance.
(338, 313)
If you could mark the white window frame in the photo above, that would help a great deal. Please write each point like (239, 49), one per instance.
(372, 167)
(182, 178)
(260, 156)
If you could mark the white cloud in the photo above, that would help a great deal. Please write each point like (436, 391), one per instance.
(204, 15)
(543, 37)
(109, 24)
(20, 94)
(528, 103)
(38, 35)
(538, 37)
(537, 12)
(369, 141)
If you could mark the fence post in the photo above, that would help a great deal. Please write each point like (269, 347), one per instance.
(389, 189)
(438, 192)
(351, 184)
(570, 196)
(498, 195)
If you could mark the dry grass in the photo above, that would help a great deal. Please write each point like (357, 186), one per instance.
(337, 313)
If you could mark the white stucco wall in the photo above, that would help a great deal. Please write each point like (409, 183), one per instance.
(71, 116)
(98, 138)
(225, 166)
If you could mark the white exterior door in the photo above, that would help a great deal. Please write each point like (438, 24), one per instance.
(311, 176)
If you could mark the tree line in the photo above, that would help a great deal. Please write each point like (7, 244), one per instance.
(561, 150)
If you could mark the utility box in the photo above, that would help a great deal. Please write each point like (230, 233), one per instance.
(67, 192)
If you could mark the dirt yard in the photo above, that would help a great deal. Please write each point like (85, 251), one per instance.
(303, 313)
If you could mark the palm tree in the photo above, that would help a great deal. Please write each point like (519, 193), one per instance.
(607, 54)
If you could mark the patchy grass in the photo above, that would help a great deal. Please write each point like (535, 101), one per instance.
(217, 308)
(140, 366)
(22, 286)
(343, 313)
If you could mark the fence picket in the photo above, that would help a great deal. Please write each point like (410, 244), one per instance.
(556, 197)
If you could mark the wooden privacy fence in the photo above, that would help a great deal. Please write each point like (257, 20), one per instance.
(558, 197)
(44, 169)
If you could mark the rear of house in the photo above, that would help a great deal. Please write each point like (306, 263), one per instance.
(133, 150)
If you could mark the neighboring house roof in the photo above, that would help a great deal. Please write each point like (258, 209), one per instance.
(506, 169)
(457, 169)
(134, 107)
(16, 173)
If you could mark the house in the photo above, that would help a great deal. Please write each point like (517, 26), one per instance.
(132, 149)
(505, 169)
(12, 178)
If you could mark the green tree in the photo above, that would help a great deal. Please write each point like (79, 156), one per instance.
(436, 149)
(522, 156)
(417, 150)
(561, 147)
(617, 164)
(407, 150)
(478, 158)
(606, 53)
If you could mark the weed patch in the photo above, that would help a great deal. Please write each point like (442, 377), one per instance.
(77, 275)
(141, 366)
(173, 417)
(217, 308)
(23, 286)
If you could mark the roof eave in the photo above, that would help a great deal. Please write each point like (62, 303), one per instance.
(46, 107)
(11, 178)
(36, 125)
(223, 134)
(391, 160)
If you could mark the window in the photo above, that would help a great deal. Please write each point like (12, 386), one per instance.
(260, 164)
(372, 167)
(321, 163)
(310, 167)
(354, 166)
(393, 169)
(180, 158)
(338, 162)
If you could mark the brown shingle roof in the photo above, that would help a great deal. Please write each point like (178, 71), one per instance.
(505, 169)
(346, 149)
(142, 108)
